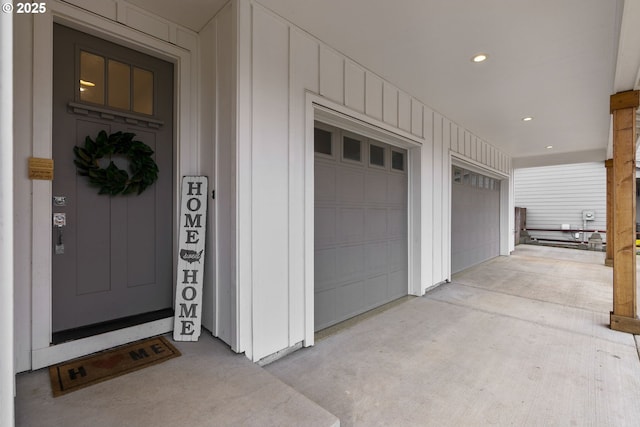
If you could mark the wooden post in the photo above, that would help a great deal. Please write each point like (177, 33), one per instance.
(623, 107)
(610, 232)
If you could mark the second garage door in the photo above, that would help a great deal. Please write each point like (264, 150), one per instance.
(475, 218)
(360, 224)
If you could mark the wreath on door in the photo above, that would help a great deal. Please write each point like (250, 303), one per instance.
(111, 179)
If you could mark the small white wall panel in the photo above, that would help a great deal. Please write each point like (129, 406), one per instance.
(428, 117)
(446, 137)
(426, 187)
(484, 153)
(404, 111)
(445, 177)
(467, 144)
(477, 154)
(305, 69)
(207, 168)
(331, 75)
(225, 175)
(417, 118)
(354, 87)
(453, 137)
(373, 93)
(148, 24)
(108, 9)
(304, 76)
(390, 104)
(270, 158)
(188, 39)
(22, 187)
(492, 156)
(438, 211)
(304, 63)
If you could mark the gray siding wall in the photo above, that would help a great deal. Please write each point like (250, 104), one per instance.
(555, 195)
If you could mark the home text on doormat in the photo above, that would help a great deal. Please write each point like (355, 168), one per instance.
(79, 373)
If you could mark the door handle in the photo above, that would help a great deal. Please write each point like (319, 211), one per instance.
(59, 221)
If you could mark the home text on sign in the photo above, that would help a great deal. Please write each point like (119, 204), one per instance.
(190, 271)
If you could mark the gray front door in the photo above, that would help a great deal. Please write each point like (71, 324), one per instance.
(113, 258)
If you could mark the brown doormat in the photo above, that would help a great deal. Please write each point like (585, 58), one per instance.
(79, 373)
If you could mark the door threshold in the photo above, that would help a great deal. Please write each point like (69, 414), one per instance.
(110, 326)
(52, 354)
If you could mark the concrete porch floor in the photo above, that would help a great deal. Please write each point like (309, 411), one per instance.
(516, 341)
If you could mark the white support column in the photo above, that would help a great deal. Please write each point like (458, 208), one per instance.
(7, 375)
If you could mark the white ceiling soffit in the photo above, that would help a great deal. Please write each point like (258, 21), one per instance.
(553, 60)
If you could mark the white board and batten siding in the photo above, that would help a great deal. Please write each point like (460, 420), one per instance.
(278, 67)
(556, 195)
(218, 102)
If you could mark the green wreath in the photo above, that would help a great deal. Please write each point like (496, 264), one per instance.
(112, 180)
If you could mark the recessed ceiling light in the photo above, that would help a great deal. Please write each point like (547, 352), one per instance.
(527, 119)
(481, 57)
(549, 147)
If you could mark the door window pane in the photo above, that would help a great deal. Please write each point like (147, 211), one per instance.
(119, 85)
(376, 155)
(351, 149)
(91, 78)
(322, 141)
(142, 91)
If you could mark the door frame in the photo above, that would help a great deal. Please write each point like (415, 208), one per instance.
(186, 147)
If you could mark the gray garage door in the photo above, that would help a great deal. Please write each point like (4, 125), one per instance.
(475, 219)
(360, 224)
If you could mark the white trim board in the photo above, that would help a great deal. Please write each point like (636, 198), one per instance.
(186, 111)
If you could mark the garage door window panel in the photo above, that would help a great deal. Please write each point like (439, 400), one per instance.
(376, 156)
(397, 160)
(351, 149)
(323, 142)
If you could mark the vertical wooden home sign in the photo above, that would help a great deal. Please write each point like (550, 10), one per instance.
(190, 271)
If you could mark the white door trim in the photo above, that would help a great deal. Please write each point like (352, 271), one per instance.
(320, 108)
(186, 155)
